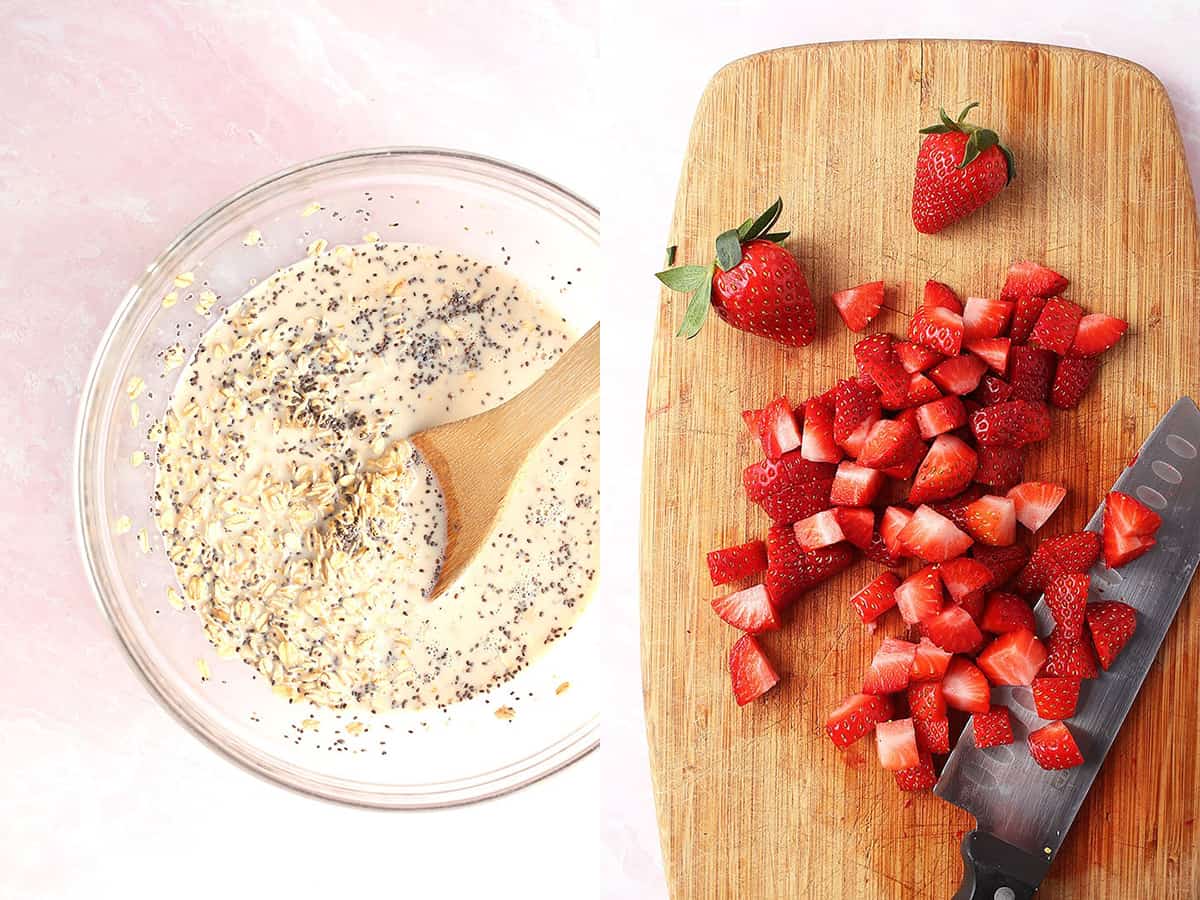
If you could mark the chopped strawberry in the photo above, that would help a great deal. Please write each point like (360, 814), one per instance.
(1030, 279)
(893, 522)
(1053, 747)
(790, 488)
(1036, 502)
(791, 571)
(778, 431)
(877, 597)
(933, 735)
(820, 530)
(753, 420)
(1096, 333)
(749, 610)
(854, 443)
(1031, 372)
(1014, 423)
(920, 777)
(1056, 326)
(941, 415)
(937, 328)
(941, 295)
(972, 605)
(859, 305)
(1066, 599)
(1129, 529)
(734, 563)
(919, 596)
(1000, 468)
(920, 390)
(1004, 612)
(993, 520)
(992, 390)
(890, 667)
(1012, 658)
(929, 662)
(1025, 316)
(953, 630)
(817, 443)
(896, 742)
(1072, 377)
(993, 351)
(983, 318)
(889, 443)
(965, 687)
(916, 358)
(959, 374)
(955, 509)
(750, 670)
(947, 468)
(1069, 657)
(855, 485)
(857, 716)
(925, 700)
(857, 524)
(877, 551)
(964, 578)
(932, 537)
(1055, 698)
(877, 357)
(855, 404)
(1003, 562)
(1111, 624)
(993, 728)
(1075, 552)
(904, 468)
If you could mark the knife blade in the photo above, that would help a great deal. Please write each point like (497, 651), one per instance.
(1023, 812)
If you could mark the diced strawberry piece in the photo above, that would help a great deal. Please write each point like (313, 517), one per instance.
(855, 485)
(819, 530)
(1030, 279)
(919, 596)
(972, 605)
(877, 551)
(1003, 562)
(1056, 326)
(896, 742)
(905, 468)
(859, 305)
(791, 571)
(733, 563)
(992, 390)
(753, 420)
(941, 415)
(749, 610)
(932, 537)
(1031, 372)
(964, 578)
(959, 374)
(855, 404)
(1025, 316)
(893, 522)
(1014, 423)
(1066, 598)
(888, 444)
(854, 443)
(778, 433)
(925, 700)
(929, 662)
(1072, 377)
(1003, 613)
(983, 318)
(953, 630)
(946, 470)
(1096, 333)
(1069, 657)
(992, 728)
(993, 351)
(920, 777)
(920, 390)
(933, 735)
(857, 524)
(877, 357)
(856, 717)
(1000, 468)
(1053, 747)
(965, 687)
(916, 358)
(876, 598)
(1111, 624)
(992, 520)
(937, 328)
(941, 295)
(955, 509)
(790, 488)
(1066, 553)
(1055, 698)
(1036, 502)
(1012, 658)
(817, 443)
(890, 667)
(1129, 529)
(750, 670)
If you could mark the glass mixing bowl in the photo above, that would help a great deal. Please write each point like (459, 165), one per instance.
(480, 207)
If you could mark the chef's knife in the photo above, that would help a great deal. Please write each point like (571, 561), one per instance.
(1023, 812)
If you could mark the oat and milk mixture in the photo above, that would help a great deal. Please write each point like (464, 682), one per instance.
(306, 532)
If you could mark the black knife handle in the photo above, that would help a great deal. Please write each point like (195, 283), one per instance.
(990, 864)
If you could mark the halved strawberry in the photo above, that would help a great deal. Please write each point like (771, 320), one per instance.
(958, 374)
(877, 597)
(1003, 562)
(817, 443)
(889, 443)
(992, 520)
(890, 667)
(855, 485)
(1053, 747)
(1031, 372)
(941, 295)
(1030, 279)
(1066, 598)
(854, 404)
(733, 563)
(993, 728)
(1014, 423)
(1055, 698)
(937, 328)
(893, 522)
(929, 662)
(1004, 612)
(920, 390)
(925, 700)
(877, 357)
(946, 470)
(896, 742)
(916, 358)
(749, 610)
(778, 431)
(857, 524)
(1056, 326)
(992, 390)
(932, 537)
(790, 488)
(941, 415)
(953, 630)
(1000, 468)
(1036, 502)
(1025, 316)
(933, 735)
(919, 596)
(791, 571)
(983, 318)
(905, 468)
(920, 777)
(857, 716)
(993, 351)
(819, 530)
(1013, 658)
(965, 687)
(750, 670)
(1129, 529)
(1072, 377)
(1096, 333)
(1069, 657)
(1111, 624)
(1066, 553)
(859, 305)
(964, 579)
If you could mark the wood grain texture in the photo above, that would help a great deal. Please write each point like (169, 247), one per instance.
(757, 802)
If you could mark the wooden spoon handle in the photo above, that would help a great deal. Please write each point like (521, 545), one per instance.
(571, 381)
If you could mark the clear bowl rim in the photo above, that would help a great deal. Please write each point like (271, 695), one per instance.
(482, 786)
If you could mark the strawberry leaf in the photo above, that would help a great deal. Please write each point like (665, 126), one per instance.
(729, 249)
(776, 237)
(697, 309)
(684, 278)
(763, 223)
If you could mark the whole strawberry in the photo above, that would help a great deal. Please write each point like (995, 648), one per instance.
(755, 285)
(960, 167)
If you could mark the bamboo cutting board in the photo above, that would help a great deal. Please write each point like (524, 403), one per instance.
(756, 802)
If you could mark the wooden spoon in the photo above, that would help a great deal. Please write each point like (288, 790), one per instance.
(476, 459)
